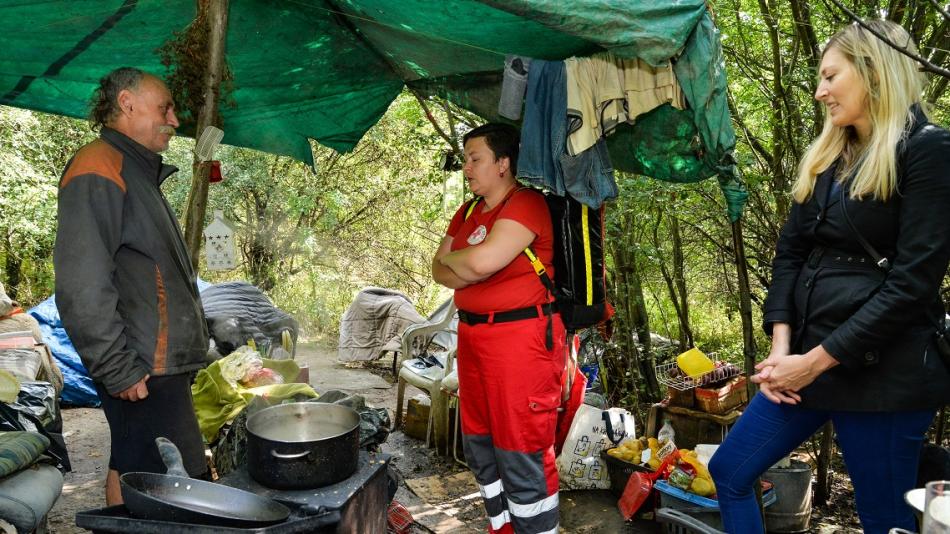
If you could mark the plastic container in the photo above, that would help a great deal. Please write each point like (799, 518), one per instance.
(619, 472)
(694, 363)
(702, 508)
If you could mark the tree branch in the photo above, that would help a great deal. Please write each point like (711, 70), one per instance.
(434, 123)
(942, 11)
(928, 66)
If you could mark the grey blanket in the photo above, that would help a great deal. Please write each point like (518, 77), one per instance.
(374, 323)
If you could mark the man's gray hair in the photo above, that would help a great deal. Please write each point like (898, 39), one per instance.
(104, 105)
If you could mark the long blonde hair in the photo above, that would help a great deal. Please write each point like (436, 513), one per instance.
(893, 84)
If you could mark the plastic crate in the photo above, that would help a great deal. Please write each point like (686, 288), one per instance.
(619, 472)
(702, 508)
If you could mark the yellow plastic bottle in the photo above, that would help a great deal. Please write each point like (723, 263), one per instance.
(694, 363)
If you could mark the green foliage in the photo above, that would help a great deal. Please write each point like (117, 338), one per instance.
(313, 237)
(36, 147)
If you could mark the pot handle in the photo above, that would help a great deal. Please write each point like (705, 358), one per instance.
(294, 456)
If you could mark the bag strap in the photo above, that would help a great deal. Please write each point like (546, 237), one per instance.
(880, 261)
(609, 430)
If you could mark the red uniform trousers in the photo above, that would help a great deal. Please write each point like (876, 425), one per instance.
(509, 391)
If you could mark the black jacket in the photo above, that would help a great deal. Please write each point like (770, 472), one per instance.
(879, 326)
(125, 287)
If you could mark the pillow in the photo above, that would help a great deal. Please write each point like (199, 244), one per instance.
(19, 450)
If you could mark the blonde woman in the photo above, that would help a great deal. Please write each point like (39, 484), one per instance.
(854, 305)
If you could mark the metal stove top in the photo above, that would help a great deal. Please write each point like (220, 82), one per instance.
(332, 497)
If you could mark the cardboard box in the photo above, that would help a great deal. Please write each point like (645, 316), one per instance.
(417, 419)
(684, 399)
(723, 399)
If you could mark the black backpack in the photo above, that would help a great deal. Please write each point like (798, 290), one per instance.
(580, 284)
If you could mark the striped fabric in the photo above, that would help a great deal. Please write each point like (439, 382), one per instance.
(19, 450)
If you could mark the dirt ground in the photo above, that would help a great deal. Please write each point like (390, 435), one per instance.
(440, 493)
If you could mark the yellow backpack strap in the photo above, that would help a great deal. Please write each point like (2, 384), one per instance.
(471, 207)
(539, 269)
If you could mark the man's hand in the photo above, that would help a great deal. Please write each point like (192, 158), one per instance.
(136, 392)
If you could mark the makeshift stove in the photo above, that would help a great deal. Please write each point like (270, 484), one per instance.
(356, 505)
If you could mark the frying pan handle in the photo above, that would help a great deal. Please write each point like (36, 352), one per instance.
(294, 456)
(171, 456)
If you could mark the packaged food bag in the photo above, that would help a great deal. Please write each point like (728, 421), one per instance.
(580, 465)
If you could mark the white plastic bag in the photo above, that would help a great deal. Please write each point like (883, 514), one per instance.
(580, 466)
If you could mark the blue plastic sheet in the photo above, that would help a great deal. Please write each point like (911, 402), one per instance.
(78, 389)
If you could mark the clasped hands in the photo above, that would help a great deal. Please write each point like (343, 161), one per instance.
(782, 375)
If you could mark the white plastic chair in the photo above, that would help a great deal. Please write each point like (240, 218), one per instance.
(450, 388)
(416, 341)
(428, 379)
(418, 337)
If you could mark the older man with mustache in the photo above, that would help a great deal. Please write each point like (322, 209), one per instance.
(125, 287)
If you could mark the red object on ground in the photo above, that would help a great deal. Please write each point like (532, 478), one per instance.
(640, 485)
(398, 518)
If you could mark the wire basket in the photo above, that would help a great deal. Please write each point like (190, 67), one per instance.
(670, 375)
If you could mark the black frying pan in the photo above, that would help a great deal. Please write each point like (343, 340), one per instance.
(178, 498)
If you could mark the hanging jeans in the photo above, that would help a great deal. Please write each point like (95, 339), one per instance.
(880, 449)
(543, 160)
(544, 128)
(509, 392)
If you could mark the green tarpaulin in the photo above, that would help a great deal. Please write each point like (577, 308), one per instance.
(328, 70)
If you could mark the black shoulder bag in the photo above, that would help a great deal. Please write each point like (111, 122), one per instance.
(941, 334)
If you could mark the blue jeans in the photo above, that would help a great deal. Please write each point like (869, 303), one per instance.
(880, 449)
(544, 160)
(544, 128)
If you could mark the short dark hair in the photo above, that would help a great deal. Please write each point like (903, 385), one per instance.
(104, 105)
(502, 139)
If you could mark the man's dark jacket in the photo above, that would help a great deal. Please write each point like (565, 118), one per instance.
(125, 287)
(879, 326)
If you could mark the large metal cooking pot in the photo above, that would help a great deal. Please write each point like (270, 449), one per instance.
(303, 445)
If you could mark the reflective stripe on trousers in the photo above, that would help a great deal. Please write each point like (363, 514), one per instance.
(509, 386)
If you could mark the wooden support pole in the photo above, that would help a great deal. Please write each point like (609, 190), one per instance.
(216, 13)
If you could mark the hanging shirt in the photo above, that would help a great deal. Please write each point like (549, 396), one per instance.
(604, 90)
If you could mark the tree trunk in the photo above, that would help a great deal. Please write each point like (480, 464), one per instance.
(822, 486)
(679, 279)
(216, 12)
(745, 303)
(641, 323)
(632, 316)
(13, 266)
(671, 285)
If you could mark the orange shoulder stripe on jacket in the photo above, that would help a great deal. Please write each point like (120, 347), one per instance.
(98, 157)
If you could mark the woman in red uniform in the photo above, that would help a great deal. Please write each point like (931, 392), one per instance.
(511, 343)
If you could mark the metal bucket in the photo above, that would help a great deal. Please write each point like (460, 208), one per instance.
(792, 511)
